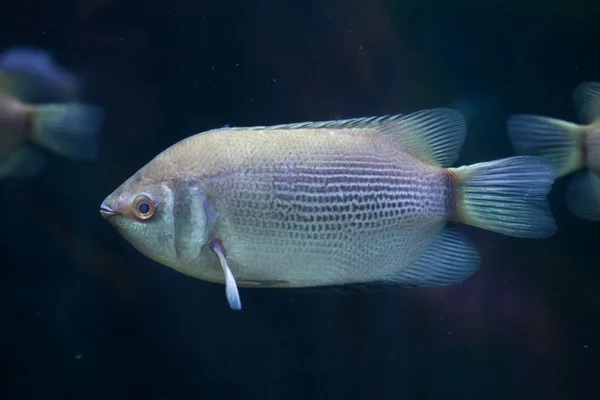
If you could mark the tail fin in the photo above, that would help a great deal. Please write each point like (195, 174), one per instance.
(583, 195)
(558, 141)
(507, 196)
(68, 129)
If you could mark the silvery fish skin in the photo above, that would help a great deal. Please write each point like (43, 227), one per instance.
(570, 147)
(327, 203)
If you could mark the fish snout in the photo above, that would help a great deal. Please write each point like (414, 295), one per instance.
(107, 210)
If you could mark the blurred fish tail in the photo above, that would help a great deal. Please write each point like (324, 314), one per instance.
(24, 162)
(583, 195)
(507, 196)
(68, 129)
(560, 142)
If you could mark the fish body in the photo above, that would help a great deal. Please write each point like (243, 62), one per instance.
(570, 147)
(335, 204)
(67, 128)
(327, 203)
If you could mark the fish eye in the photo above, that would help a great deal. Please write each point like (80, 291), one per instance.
(143, 208)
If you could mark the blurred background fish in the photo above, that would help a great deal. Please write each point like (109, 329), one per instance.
(39, 106)
(569, 146)
(37, 77)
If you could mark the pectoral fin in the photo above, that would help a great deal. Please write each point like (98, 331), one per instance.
(193, 221)
(231, 290)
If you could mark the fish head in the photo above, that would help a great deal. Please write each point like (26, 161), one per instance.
(167, 220)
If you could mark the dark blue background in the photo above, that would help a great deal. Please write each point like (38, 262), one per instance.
(85, 316)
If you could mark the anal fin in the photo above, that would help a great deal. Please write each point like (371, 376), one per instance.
(449, 258)
(583, 195)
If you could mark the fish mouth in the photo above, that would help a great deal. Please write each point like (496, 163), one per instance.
(107, 212)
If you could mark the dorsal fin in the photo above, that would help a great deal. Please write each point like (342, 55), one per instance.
(587, 101)
(434, 135)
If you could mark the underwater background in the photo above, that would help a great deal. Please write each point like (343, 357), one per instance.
(86, 316)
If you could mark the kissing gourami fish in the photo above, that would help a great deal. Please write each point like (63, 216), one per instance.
(327, 203)
(568, 146)
(68, 129)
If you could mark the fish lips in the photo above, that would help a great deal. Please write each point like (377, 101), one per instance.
(107, 211)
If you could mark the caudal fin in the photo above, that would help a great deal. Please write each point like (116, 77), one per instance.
(68, 129)
(508, 196)
(583, 195)
(558, 141)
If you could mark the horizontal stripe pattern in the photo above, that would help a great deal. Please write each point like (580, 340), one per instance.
(334, 195)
